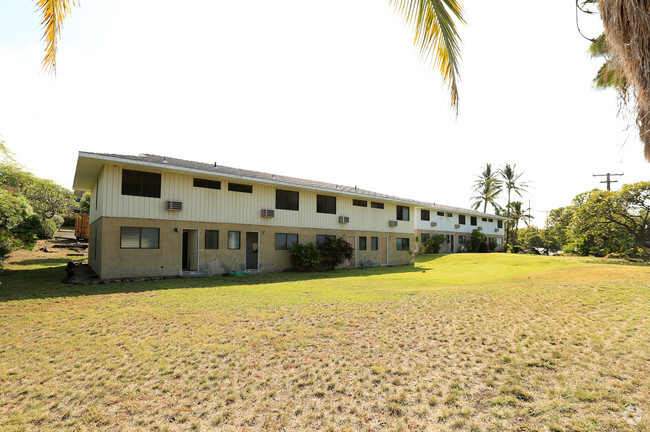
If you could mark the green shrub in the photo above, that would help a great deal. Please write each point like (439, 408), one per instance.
(478, 242)
(335, 251)
(58, 220)
(432, 244)
(493, 245)
(516, 248)
(47, 229)
(304, 256)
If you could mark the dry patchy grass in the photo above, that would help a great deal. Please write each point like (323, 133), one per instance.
(473, 343)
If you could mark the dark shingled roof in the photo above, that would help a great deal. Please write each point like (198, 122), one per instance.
(213, 169)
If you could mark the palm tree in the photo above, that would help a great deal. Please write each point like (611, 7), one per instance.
(512, 183)
(518, 213)
(610, 74)
(488, 187)
(627, 32)
(433, 21)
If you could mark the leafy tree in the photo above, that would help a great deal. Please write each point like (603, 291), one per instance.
(12, 174)
(513, 184)
(335, 251)
(612, 221)
(558, 224)
(84, 203)
(488, 187)
(47, 198)
(18, 224)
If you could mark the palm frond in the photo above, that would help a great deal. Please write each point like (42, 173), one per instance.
(437, 36)
(54, 14)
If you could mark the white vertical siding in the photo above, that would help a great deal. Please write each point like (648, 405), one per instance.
(210, 205)
(444, 223)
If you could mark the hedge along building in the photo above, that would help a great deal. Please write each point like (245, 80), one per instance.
(457, 224)
(158, 216)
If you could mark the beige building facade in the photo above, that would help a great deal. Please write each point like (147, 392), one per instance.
(157, 216)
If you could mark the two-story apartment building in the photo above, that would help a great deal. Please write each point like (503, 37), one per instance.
(457, 224)
(158, 216)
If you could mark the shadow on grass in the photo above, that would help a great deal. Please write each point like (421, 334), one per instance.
(42, 283)
(43, 261)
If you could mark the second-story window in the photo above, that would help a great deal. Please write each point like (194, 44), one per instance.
(325, 204)
(472, 220)
(425, 215)
(238, 187)
(208, 184)
(359, 203)
(140, 183)
(286, 199)
(402, 213)
(461, 219)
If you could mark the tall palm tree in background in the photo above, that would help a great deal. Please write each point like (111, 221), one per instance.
(488, 188)
(513, 183)
(518, 213)
(433, 21)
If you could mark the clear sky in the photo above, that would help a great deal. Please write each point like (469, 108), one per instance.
(332, 91)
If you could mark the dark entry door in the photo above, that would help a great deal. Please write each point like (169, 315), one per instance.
(186, 261)
(252, 250)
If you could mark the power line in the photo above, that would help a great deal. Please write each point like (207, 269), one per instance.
(609, 180)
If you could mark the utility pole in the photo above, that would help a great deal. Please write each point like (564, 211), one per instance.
(609, 180)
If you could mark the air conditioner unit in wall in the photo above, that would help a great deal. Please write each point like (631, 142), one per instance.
(174, 205)
(479, 228)
(496, 229)
(392, 223)
(433, 224)
(456, 226)
(344, 219)
(268, 213)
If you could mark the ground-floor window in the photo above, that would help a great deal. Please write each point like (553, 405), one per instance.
(425, 237)
(374, 243)
(499, 241)
(402, 243)
(461, 239)
(139, 238)
(212, 239)
(234, 239)
(284, 241)
(362, 243)
(320, 238)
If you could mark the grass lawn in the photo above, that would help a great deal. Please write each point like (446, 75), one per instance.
(459, 343)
